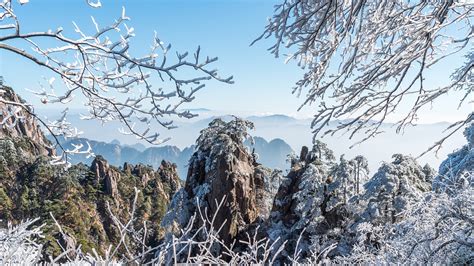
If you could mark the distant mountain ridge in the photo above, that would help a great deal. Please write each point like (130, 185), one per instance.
(272, 154)
(117, 154)
(296, 132)
(276, 118)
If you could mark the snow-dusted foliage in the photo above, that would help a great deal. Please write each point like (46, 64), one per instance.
(204, 245)
(439, 230)
(362, 58)
(394, 189)
(359, 167)
(406, 222)
(99, 68)
(220, 134)
(455, 171)
(268, 182)
(319, 206)
(343, 178)
(8, 152)
(222, 137)
(19, 245)
(179, 212)
(436, 230)
(322, 152)
(309, 197)
(349, 177)
(310, 208)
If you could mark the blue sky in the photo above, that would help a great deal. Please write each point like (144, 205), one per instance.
(222, 28)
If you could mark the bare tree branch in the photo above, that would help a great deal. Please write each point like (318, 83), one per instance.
(365, 59)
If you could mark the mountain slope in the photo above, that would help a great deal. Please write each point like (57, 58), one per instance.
(82, 198)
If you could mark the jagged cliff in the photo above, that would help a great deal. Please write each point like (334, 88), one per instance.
(79, 197)
(19, 125)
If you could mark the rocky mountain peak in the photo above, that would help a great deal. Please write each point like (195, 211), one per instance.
(223, 169)
(168, 174)
(311, 205)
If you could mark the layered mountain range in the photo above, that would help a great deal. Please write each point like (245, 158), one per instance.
(273, 154)
(296, 132)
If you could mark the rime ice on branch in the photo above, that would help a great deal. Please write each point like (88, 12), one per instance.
(142, 92)
(362, 59)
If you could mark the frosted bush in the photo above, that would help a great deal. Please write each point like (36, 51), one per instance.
(19, 244)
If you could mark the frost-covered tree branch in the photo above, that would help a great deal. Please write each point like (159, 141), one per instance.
(141, 92)
(190, 247)
(366, 59)
(437, 230)
(18, 244)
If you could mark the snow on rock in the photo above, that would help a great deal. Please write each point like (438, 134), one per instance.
(456, 171)
(307, 211)
(394, 188)
(222, 168)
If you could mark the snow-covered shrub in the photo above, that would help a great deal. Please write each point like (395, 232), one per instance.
(360, 169)
(235, 129)
(347, 178)
(405, 222)
(8, 151)
(3, 164)
(321, 152)
(437, 230)
(455, 171)
(222, 137)
(343, 185)
(18, 244)
(393, 189)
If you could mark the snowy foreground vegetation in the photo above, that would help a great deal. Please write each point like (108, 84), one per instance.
(404, 214)
(359, 57)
